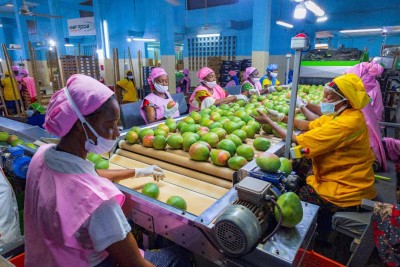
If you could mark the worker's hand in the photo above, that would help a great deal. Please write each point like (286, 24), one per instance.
(169, 113)
(241, 97)
(254, 92)
(262, 118)
(300, 102)
(153, 170)
(271, 89)
(275, 115)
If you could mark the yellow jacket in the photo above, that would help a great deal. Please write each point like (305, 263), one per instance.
(129, 91)
(342, 158)
(8, 89)
(268, 82)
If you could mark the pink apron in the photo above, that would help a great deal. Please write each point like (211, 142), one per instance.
(393, 149)
(375, 137)
(257, 84)
(56, 206)
(30, 86)
(218, 93)
(159, 104)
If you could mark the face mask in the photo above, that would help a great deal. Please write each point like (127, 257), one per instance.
(255, 80)
(129, 77)
(160, 88)
(329, 108)
(211, 84)
(274, 74)
(103, 145)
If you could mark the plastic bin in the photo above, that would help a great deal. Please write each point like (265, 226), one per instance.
(18, 261)
(313, 259)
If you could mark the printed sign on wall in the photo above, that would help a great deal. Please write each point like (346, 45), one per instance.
(81, 26)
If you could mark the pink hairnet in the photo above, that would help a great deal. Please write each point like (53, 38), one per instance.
(155, 72)
(24, 72)
(203, 72)
(232, 73)
(248, 72)
(88, 95)
(375, 69)
(186, 71)
(15, 68)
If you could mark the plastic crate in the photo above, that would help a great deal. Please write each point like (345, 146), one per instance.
(313, 259)
(18, 261)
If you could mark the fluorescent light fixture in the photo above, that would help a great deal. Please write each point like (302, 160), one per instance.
(385, 30)
(284, 24)
(51, 48)
(69, 45)
(322, 19)
(208, 35)
(106, 38)
(300, 11)
(144, 39)
(129, 39)
(9, 5)
(1, 25)
(150, 49)
(362, 30)
(52, 42)
(314, 8)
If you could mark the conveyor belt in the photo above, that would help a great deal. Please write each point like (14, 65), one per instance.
(199, 195)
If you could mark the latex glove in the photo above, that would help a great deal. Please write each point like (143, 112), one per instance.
(254, 92)
(241, 97)
(152, 170)
(169, 113)
(300, 102)
(275, 115)
(271, 89)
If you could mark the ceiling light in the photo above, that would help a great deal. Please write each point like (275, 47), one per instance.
(144, 39)
(9, 5)
(69, 45)
(129, 39)
(52, 42)
(314, 8)
(284, 24)
(322, 19)
(208, 35)
(361, 30)
(300, 11)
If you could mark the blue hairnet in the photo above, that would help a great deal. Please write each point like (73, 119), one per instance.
(272, 67)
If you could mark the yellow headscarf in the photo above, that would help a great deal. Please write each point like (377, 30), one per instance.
(353, 89)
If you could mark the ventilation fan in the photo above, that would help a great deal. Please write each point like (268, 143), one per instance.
(24, 10)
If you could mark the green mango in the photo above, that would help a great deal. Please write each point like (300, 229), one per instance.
(292, 210)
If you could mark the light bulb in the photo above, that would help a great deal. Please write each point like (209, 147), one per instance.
(300, 11)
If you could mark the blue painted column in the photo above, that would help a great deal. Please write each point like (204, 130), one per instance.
(167, 42)
(2, 41)
(22, 29)
(261, 33)
(59, 33)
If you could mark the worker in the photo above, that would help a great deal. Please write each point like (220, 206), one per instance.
(155, 105)
(269, 80)
(17, 76)
(185, 83)
(368, 71)
(339, 148)
(11, 93)
(28, 84)
(209, 93)
(73, 214)
(251, 84)
(9, 217)
(127, 85)
(233, 79)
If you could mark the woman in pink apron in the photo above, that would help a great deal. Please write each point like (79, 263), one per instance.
(73, 214)
(155, 105)
(251, 84)
(209, 93)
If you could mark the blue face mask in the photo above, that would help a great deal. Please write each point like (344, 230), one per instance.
(329, 108)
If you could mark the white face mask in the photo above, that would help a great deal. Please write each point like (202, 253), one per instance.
(255, 80)
(160, 88)
(129, 77)
(274, 74)
(211, 84)
(103, 145)
(329, 108)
